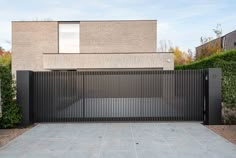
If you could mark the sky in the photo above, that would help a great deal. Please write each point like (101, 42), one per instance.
(183, 22)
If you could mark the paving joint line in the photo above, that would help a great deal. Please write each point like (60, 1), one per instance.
(136, 154)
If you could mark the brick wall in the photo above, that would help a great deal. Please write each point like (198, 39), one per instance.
(29, 41)
(118, 36)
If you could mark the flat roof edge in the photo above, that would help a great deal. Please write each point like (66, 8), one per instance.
(80, 20)
(112, 53)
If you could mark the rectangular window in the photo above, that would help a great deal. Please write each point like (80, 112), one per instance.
(69, 38)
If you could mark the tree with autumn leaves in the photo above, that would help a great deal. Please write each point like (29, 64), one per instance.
(181, 57)
(5, 58)
(209, 45)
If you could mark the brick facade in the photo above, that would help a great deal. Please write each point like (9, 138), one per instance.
(109, 44)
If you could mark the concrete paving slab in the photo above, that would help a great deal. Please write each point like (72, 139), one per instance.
(119, 140)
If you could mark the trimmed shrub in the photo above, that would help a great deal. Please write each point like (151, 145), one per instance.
(10, 110)
(227, 62)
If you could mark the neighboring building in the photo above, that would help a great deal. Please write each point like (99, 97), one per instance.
(226, 42)
(87, 45)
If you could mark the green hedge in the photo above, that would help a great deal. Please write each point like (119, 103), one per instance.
(10, 110)
(227, 62)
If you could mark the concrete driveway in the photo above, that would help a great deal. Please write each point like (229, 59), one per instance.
(119, 140)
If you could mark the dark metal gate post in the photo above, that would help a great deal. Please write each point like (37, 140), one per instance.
(24, 96)
(213, 96)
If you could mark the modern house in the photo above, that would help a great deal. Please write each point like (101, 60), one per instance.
(87, 45)
(226, 42)
(105, 71)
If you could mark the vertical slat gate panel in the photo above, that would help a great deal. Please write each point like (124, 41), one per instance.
(118, 95)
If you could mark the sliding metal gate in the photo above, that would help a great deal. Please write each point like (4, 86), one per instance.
(126, 95)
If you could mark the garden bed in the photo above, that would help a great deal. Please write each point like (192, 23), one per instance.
(226, 131)
(6, 135)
